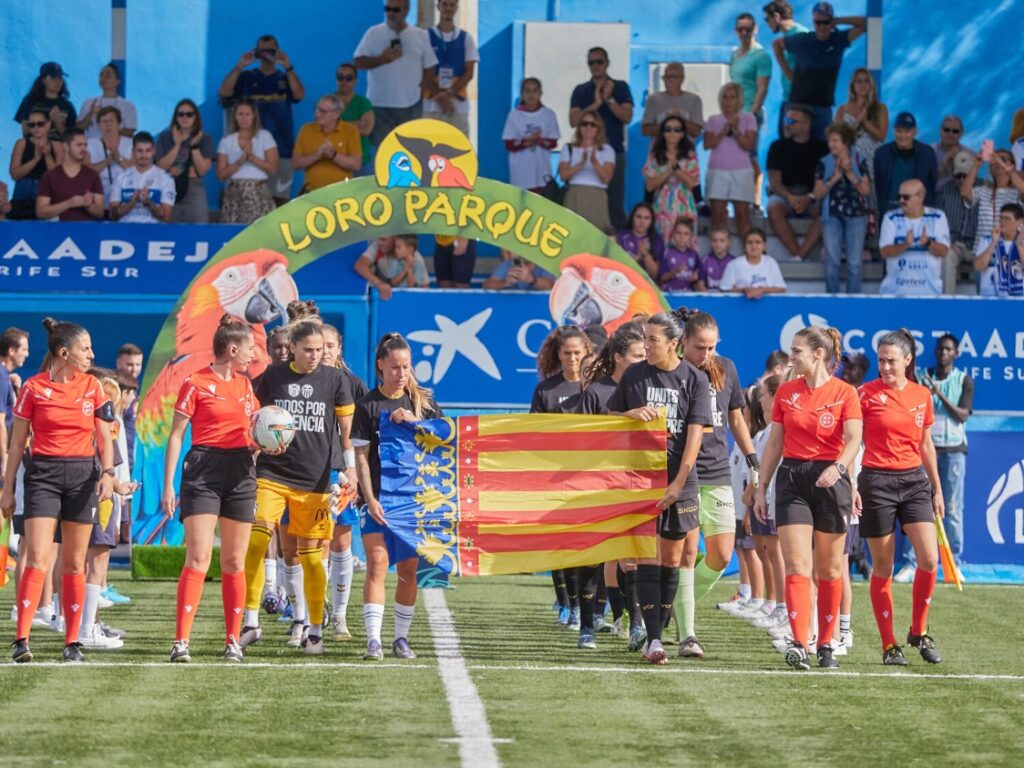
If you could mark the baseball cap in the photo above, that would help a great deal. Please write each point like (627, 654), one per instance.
(823, 9)
(905, 120)
(52, 69)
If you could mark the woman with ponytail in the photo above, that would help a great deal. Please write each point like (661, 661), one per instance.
(900, 481)
(665, 386)
(717, 506)
(816, 432)
(218, 481)
(399, 395)
(70, 416)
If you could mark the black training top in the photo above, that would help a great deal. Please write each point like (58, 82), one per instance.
(713, 459)
(551, 393)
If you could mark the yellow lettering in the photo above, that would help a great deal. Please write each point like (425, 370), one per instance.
(470, 209)
(286, 233)
(552, 239)
(520, 232)
(494, 226)
(415, 200)
(330, 224)
(347, 210)
(441, 206)
(377, 200)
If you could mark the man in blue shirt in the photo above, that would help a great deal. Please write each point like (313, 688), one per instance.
(274, 92)
(818, 56)
(614, 102)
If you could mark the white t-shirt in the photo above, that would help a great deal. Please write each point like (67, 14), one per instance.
(760, 441)
(916, 272)
(261, 142)
(129, 118)
(98, 152)
(740, 273)
(1018, 154)
(396, 84)
(446, 77)
(161, 190)
(530, 168)
(586, 176)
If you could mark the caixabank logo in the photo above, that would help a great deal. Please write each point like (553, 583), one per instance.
(1005, 506)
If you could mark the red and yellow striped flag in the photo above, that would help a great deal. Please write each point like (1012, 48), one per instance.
(482, 495)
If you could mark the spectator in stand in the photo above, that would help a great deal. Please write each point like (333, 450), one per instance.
(1017, 139)
(111, 152)
(731, 137)
(903, 159)
(274, 91)
(792, 162)
(612, 101)
(457, 56)
(357, 111)
(454, 260)
(853, 368)
(1004, 254)
(948, 146)
(680, 263)
(641, 240)
(406, 267)
(89, 116)
(867, 116)
(398, 58)
(819, 55)
(246, 158)
(5, 201)
(587, 166)
(515, 273)
(186, 153)
(366, 264)
(71, 191)
(778, 16)
(842, 186)
(914, 241)
(750, 67)
(49, 93)
(33, 155)
(531, 132)
(670, 172)
(144, 193)
(1005, 186)
(757, 273)
(962, 220)
(673, 102)
(327, 149)
(712, 266)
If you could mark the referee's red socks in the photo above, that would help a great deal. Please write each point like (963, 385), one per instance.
(830, 596)
(924, 587)
(190, 590)
(72, 600)
(881, 604)
(232, 591)
(30, 589)
(798, 601)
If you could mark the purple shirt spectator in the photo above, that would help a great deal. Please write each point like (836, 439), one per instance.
(711, 270)
(630, 242)
(679, 269)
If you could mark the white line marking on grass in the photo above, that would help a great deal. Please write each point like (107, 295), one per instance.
(473, 732)
(292, 666)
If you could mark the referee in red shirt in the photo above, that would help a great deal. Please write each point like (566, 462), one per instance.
(900, 481)
(218, 481)
(70, 416)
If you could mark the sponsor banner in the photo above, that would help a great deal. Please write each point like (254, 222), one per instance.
(478, 349)
(994, 498)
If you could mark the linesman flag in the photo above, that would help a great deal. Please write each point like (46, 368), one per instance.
(519, 493)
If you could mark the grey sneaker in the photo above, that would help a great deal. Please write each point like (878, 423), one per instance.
(400, 649)
(232, 651)
(827, 657)
(691, 648)
(587, 642)
(73, 653)
(179, 653)
(373, 651)
(893, 657)
(249, 636)
(314, 646)
(796, 656)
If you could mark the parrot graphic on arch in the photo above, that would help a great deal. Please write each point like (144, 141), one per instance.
(434, 158)
(593, 290)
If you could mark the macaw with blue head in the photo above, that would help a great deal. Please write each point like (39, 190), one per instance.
(400, 172)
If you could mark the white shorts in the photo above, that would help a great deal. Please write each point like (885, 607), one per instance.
(735, 186)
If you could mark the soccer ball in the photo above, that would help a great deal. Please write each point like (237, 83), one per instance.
(272, 428)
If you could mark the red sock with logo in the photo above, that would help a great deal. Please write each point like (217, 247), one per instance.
(830, 597)
(798, 602)
(190, 591)
(924, 587)
(72, 600)
(232, 591)
(30, 589)
(881, 604)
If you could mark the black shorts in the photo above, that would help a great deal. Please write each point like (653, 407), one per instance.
(219, 481)
(683, 516)
(798, 501)
(452, 268)
(62, 489)
(891, 495)
(743, 540)
(18, 525)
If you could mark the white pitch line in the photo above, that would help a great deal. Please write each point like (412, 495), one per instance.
(476, 743)
(285, 666)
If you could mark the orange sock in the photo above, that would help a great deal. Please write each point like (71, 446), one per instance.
(30, 589)
(232, 590)
(190, 590)
(72, 600)
(924, 587)
(881, 604)
(830, 596)
(798, 602)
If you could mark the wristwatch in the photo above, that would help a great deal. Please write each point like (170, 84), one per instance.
(841, 467)
(108, 471)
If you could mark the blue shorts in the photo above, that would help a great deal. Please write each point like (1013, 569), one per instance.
(398, 549)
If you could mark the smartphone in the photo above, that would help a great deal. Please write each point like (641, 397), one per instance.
(516, 261)
(987, 150)
(396, 42)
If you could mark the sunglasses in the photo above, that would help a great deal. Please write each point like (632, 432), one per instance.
(904, 198)
(744, 30)
(393, 9)
(822, 23)
(596, 62)
(346, 78)
(183, 113)
(672, 129)
(588, 125)
(36, 124)
(950, 130)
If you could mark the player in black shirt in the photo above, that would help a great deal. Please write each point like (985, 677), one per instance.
(400, 395)
(666, 386)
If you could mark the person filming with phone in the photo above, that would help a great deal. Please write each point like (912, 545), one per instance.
(515, 273)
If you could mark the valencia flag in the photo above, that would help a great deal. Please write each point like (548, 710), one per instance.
(519, 493)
